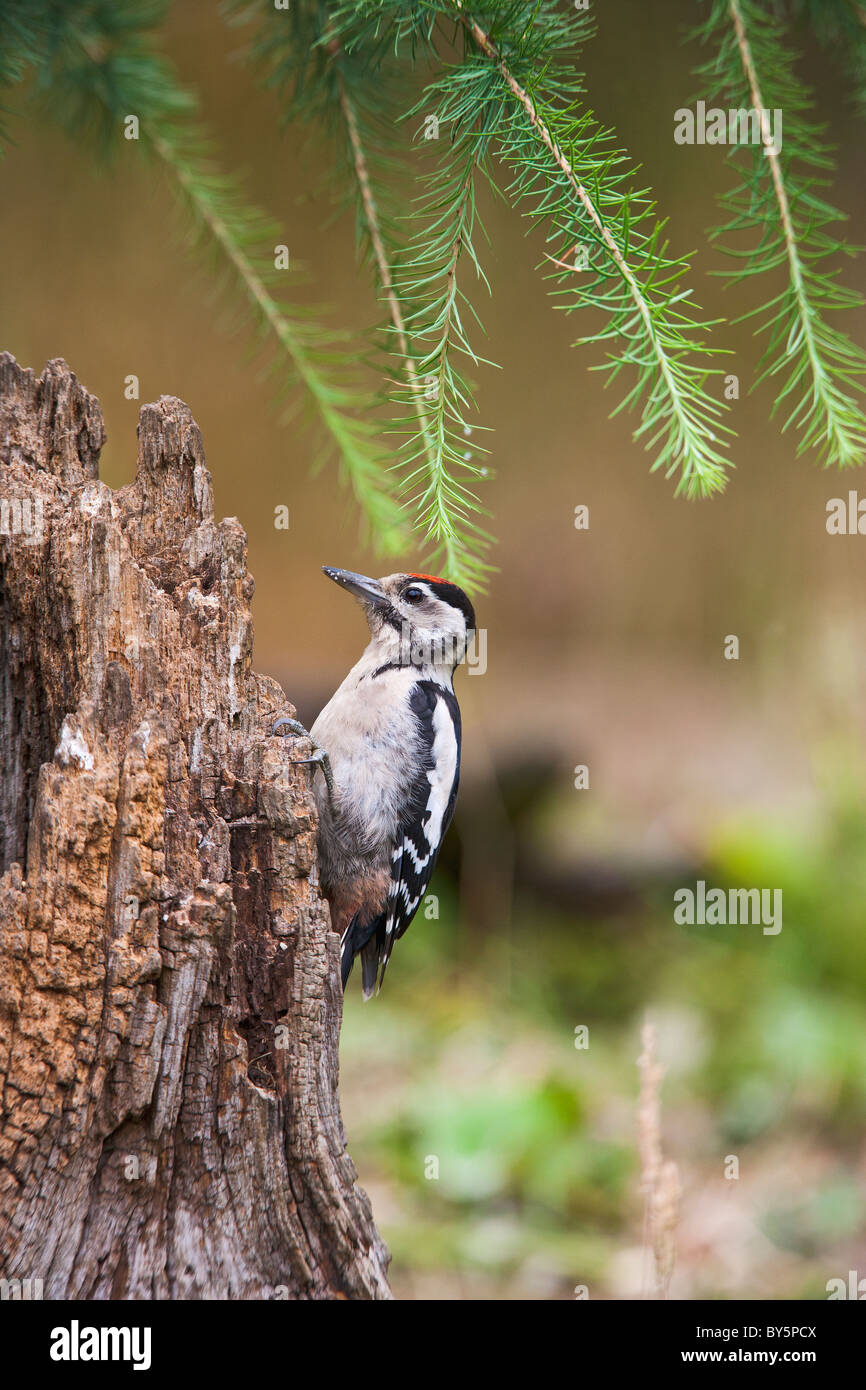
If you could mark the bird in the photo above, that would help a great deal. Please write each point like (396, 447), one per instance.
(388, 746)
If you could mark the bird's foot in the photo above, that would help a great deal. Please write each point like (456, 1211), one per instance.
(293, 726)
(319, 757)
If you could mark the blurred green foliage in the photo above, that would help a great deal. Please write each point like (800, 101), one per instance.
(466, 1066)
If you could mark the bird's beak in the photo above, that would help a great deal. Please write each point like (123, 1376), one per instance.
(367, 590)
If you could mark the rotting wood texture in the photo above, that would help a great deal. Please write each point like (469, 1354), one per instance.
(169, 983)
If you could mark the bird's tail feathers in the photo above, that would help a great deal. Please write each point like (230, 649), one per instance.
(347, 951)
(364, 940)
(369, 968)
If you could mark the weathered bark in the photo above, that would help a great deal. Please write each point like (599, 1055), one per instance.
(169, 985)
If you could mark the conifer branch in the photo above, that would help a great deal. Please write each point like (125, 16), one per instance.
(440, 511)
(302, 342)
(321, 69)
(823, 367)
(98, 64)
(503, 81)
(577, 190)
(701, 467)
(377, 241)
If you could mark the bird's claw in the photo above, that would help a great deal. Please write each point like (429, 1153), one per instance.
(319, 757)
(294, 726)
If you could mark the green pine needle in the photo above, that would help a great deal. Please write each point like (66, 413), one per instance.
(819, 370)
(96, 64)
(503, 83)
(512, 93)
(417, 249)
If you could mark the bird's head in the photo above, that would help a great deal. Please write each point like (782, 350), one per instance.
(417, 619)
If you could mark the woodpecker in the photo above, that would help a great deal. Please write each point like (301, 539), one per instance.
(388, 747)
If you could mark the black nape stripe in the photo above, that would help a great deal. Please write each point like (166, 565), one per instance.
(451, 593)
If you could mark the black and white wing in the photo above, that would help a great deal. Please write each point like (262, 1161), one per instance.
(414, 857)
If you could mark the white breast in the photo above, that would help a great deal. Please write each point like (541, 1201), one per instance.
(371, 737)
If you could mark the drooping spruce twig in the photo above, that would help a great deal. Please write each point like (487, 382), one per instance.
(324, 68)
(373, 225)
(820, 368)
(515, 84)
(434, 459)
(502, 81)
(441, 466)
(97, 65)
(310, 356)
(577, 189)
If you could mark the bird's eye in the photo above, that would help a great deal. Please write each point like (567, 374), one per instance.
(414, 595)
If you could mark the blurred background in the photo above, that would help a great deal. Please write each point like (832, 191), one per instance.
(605, 649)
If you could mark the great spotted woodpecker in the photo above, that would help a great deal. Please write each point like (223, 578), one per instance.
(388, 746)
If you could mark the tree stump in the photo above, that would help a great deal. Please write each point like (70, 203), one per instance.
(170, 999)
